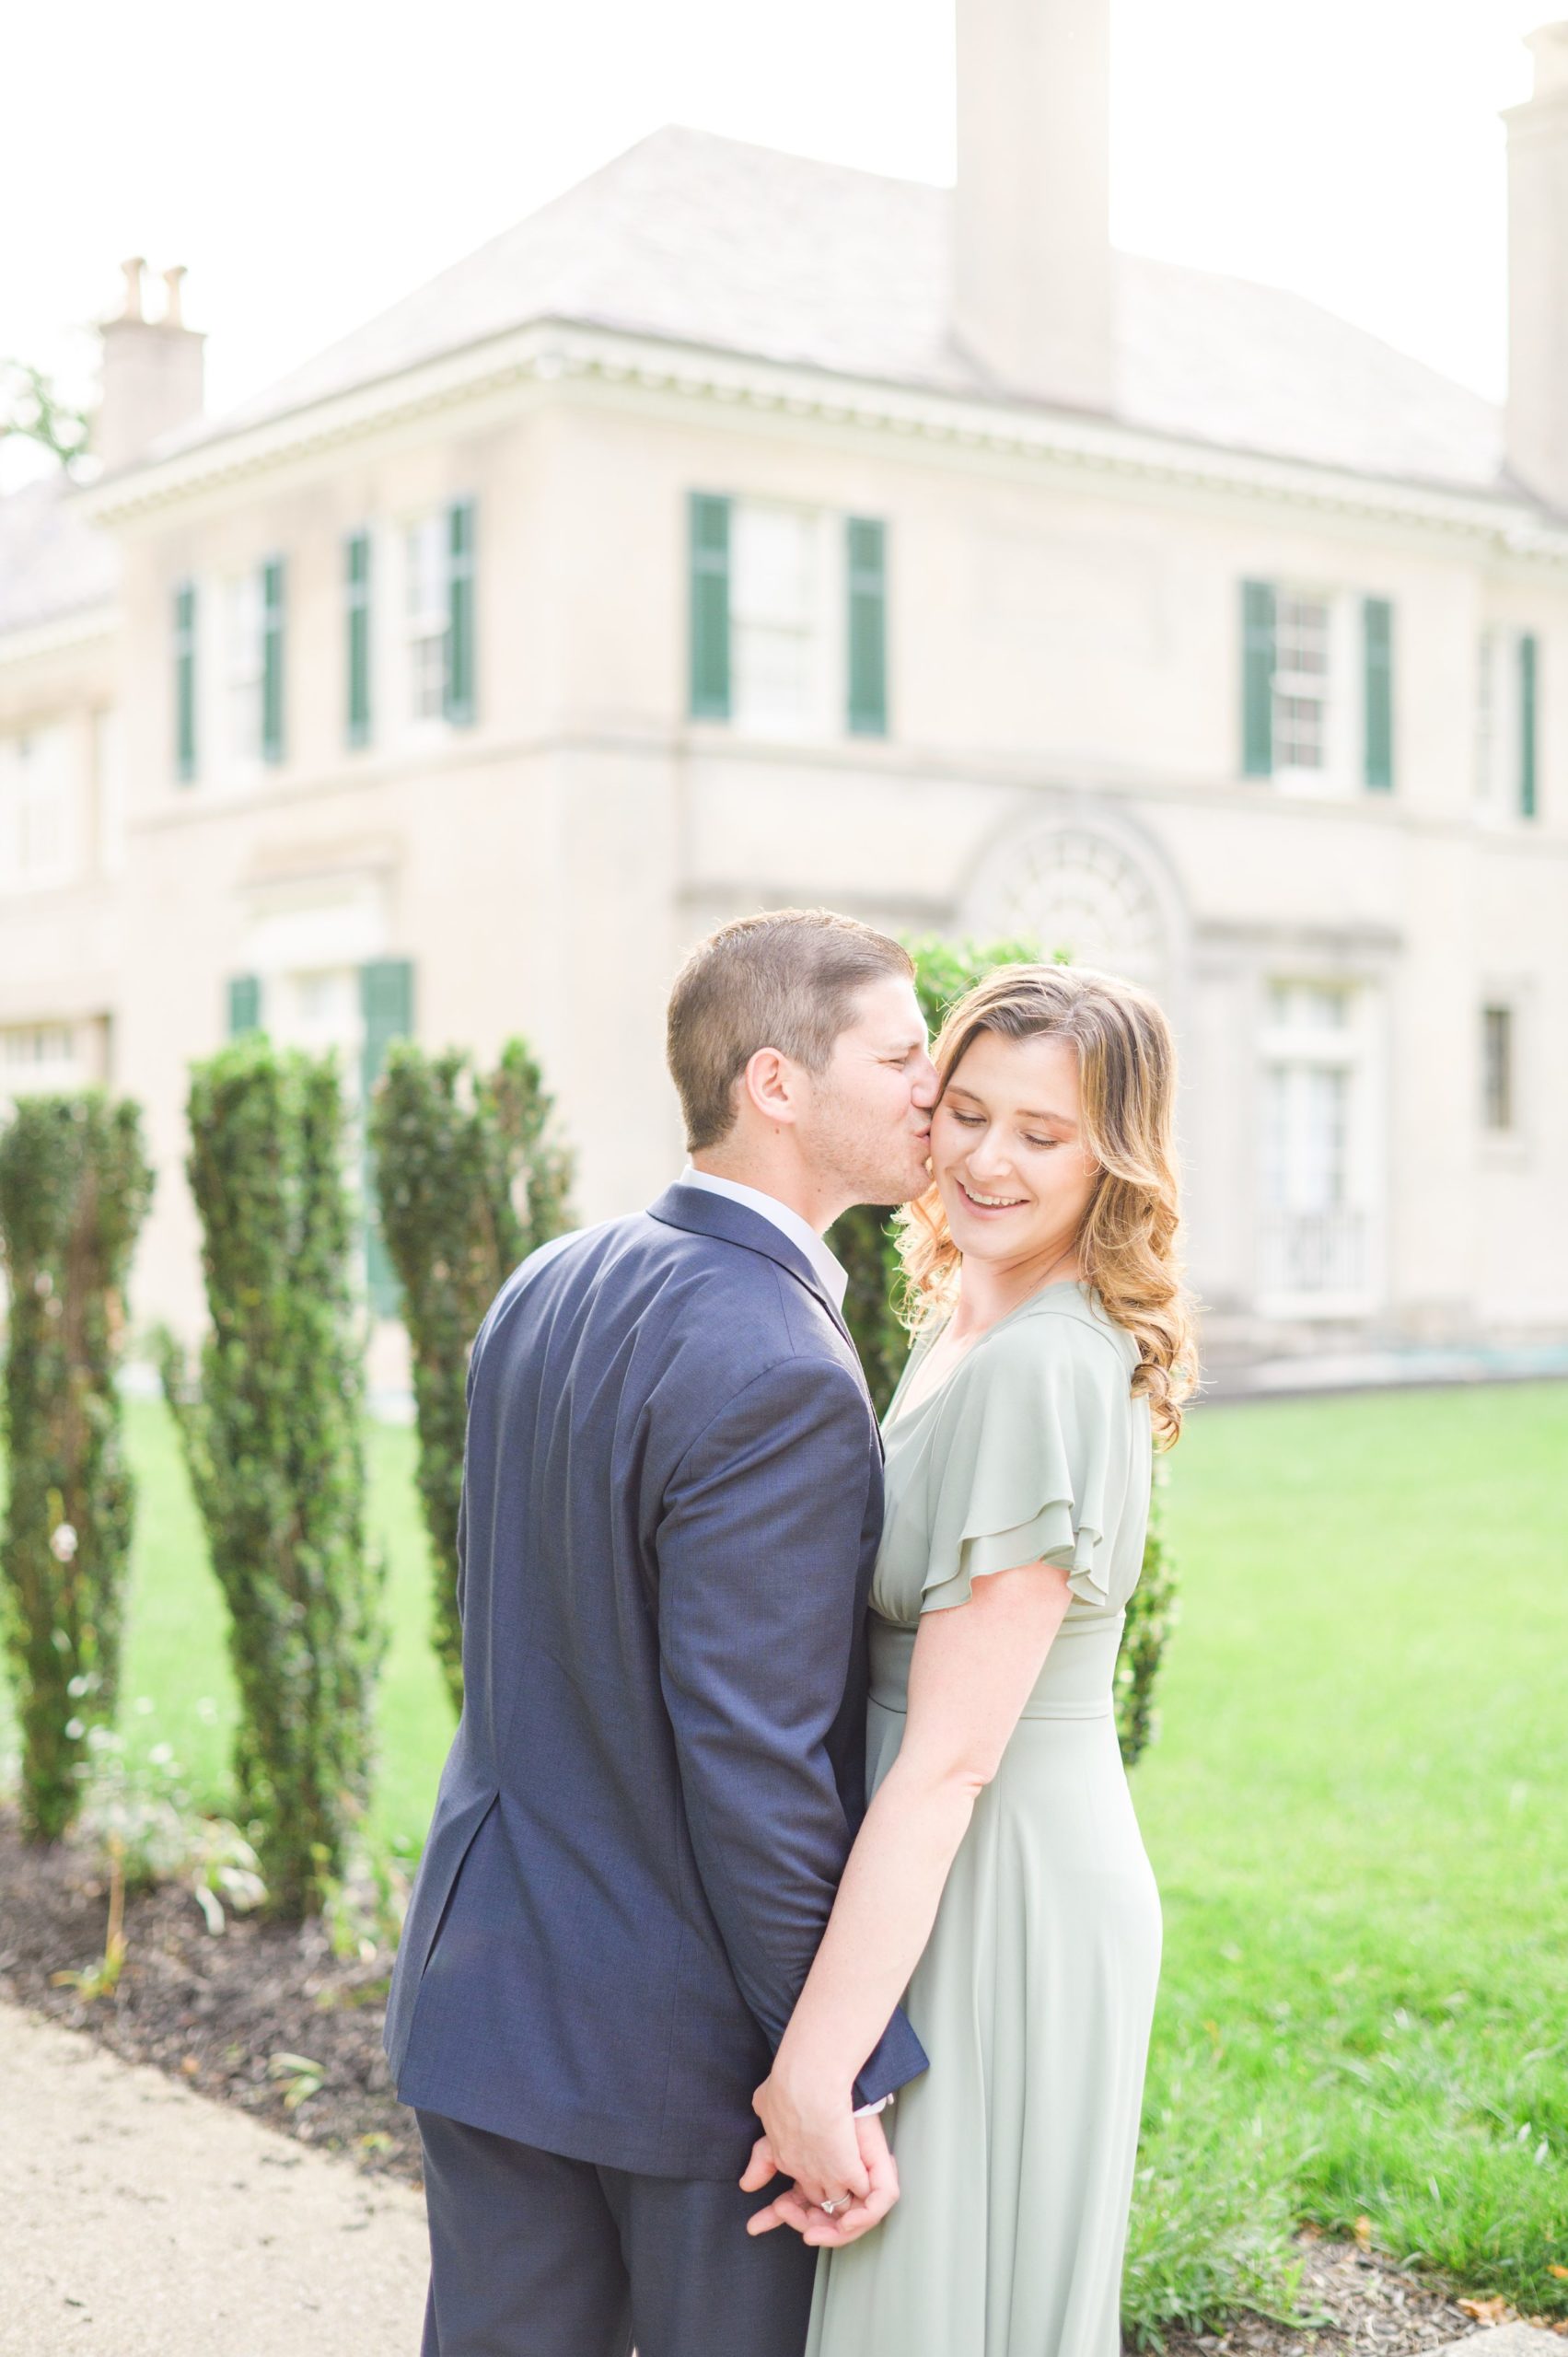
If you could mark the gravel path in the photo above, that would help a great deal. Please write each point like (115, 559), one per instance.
(141, 2221)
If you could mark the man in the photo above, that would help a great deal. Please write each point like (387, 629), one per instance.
(671, 1506)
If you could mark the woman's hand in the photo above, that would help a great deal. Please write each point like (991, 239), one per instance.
(791, 2207)
(809, 2129)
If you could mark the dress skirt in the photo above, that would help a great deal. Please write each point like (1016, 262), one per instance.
(1034, 2001)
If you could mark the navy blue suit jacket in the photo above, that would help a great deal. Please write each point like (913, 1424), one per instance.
(672, 1497)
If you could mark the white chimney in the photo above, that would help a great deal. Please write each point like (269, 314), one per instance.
(1538, 274)
(152, 373)
(1033, 288)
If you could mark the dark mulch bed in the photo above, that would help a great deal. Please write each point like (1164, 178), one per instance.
(1374, 2309)
(211, 2009)
(215, 2010)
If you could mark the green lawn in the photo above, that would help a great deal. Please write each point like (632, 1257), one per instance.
(1355, 1811)
(1356, 1816)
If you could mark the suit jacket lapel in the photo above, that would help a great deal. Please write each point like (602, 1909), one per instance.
(704, 1214)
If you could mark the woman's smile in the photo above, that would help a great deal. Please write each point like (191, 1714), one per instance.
(985, 1203)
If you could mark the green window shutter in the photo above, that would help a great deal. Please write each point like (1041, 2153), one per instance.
(1257, 679)
(867, 554)
(244, 1004)
(385, 1003)
(709, 535)
(458, 698)
(1377, 645)
(271, 660)
(185, 682)
(1529, 696)
(356, 611)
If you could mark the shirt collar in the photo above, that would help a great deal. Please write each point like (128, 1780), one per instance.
(832, 1275)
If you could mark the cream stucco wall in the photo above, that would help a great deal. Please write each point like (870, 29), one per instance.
(1063, 655)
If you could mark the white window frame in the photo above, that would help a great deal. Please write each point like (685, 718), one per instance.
(1339, 687)
(422, 629)
(108, 790)
(244, 670)
(1510, 1148)
(40, 810)
(1351, 1050)
(819, 629)
(38, 1059)
(1508, 1127)
(1498, 721)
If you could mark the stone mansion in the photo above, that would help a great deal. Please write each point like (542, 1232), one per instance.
(742, 530)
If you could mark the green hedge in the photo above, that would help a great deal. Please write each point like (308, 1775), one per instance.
(470, 1180)
(74, 1186)
(273, 1434)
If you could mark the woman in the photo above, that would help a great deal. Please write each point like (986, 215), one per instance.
(1000, 1872)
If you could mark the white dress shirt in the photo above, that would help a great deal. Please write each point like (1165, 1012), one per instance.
(834, 1275)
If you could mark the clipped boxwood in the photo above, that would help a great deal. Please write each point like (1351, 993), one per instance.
(74, 1186)
(470, 1180)
(273, 1434)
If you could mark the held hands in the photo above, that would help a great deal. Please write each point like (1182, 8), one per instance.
(857, 2162)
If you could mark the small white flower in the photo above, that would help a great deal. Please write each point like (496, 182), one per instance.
(62, 1543)
(160, 1754)
(75, 1730)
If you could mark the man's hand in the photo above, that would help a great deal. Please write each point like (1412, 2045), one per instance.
(791, 2207)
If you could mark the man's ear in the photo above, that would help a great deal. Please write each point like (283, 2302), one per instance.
(771, 1085)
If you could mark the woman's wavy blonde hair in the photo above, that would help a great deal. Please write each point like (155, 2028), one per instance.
(1126, 1245)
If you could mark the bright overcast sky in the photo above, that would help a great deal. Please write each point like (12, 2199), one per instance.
(311, 163)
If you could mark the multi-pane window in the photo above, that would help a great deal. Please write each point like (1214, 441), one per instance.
(779, 620)
(185, 682)
(1497, 1067)
(1315, 1228)
(28, 1048)
(1488, 715)
(41, 1059)
(108, 789)
(1318, 687)
(426, 615)
(1302, 642)
(356, 637)
(1506, 722)
(38, 836)
(788, 618)
(245, 665)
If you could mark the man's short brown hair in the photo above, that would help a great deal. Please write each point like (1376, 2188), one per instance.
(785, 980)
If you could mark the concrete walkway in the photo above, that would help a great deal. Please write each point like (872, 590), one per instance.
(138, 2220)
(141, 2221)
(1508, 2341)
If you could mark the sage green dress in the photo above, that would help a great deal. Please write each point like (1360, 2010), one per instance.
(1036, 1991)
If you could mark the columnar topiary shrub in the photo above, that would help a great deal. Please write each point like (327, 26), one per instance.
(863, 1241)
(74, 1187)
(469, 1178)
(272, 1436)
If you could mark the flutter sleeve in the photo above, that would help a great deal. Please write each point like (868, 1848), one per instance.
(1030, 1464)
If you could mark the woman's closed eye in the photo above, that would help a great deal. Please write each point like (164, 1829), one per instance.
(977, 1122)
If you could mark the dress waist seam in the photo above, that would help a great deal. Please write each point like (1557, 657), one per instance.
(1098, 1710)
